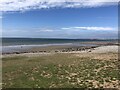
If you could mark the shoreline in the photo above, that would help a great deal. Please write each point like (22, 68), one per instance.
(56, 47)
(30, 48)
(50, 49)
(75, 50)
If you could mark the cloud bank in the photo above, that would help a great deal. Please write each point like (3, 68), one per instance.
(68, 32)
(89, 28)
(23, 5)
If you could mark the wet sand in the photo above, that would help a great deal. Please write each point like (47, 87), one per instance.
(84, 47)
(76, 50)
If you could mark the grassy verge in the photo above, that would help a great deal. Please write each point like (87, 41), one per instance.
(59, 71)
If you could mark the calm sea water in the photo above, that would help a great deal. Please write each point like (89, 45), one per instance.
(39, 41)
(15, 44)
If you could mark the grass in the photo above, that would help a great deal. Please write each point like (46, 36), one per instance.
(59, 71)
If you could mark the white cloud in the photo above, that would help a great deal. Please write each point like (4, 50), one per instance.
(27, 31)
(45, 30)
(23, 5)
(88, 28)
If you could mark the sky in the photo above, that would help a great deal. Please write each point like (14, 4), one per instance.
(77, 20)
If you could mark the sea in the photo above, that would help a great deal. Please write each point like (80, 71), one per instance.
(17, 44)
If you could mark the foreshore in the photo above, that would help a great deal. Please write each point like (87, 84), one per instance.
(79, 50)
(56, 48)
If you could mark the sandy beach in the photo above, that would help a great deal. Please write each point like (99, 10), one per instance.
(66, 49)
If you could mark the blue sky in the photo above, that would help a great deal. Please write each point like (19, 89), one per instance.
(62, 22)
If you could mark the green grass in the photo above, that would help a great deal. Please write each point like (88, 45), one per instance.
(58, 71)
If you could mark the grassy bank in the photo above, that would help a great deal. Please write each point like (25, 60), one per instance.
(60, 70)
